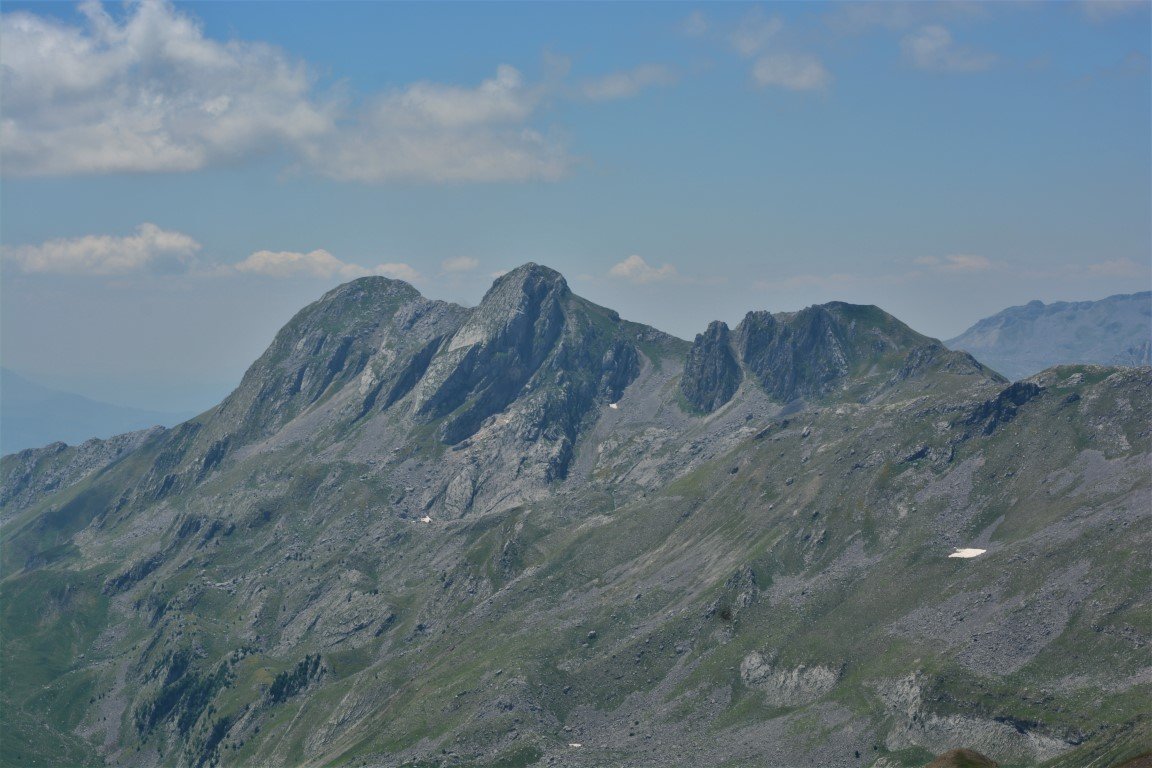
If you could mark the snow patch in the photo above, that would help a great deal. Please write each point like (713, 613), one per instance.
(966, 553)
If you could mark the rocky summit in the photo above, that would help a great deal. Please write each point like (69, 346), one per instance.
(534, 533)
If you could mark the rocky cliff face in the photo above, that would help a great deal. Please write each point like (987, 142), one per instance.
(711, 371)
(529, 337)
(421, 533)
(812, 354)
(374, 332)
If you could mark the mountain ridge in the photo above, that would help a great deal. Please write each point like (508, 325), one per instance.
(419, 533)
(1023, 340)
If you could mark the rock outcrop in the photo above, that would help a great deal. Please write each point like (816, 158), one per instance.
(812, 354)
(711, 373)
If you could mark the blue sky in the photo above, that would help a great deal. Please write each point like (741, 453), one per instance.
(177, 180)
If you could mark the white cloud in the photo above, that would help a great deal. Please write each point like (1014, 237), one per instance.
(398, 270)
(502, 99)
(147, 91)
(957, 262)
(931, 48)
(459, 264)
(796, 72)
(444, 133)
(623, 85)
(634, 269)
(318, 263)
(752, 37)
(150, 248)
(753, 32)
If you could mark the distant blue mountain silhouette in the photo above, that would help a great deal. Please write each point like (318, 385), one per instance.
(1021, 341)
(32, 415)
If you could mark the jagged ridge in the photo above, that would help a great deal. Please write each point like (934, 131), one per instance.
(811, 354)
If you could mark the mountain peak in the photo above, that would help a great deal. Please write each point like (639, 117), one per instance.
(712, 373)
(371, 287)
(528, 331)
(530, 278)
(530, 271)
(804, 354)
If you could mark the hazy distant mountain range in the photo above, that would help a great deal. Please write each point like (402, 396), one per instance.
(534, 533)
(32, 415)
(1021, 341)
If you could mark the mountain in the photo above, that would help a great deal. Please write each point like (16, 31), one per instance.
(32, 415)
(533, 532)
(1021, 341)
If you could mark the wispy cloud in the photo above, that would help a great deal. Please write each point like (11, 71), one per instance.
(1107, 10)
(753, 32)
(444, 133)
(1117, 268)
(932, 48)
(755, 36)
(149, 249)
(1133, 64)
(320, 264)
(795, 72)
(459, 264)
(150, 92)
(635, 269)
(695, 24)
(1106, 270)
(957, 262)
(623, 85)
(856, 18)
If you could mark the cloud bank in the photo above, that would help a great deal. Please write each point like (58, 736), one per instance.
(443, 133)
(635, 269)
(149, 249)
(145, 95)
(318, 263)
(152, 250)
(150, 93)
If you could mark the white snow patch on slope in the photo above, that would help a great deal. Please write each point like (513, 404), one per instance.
(966, 553)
